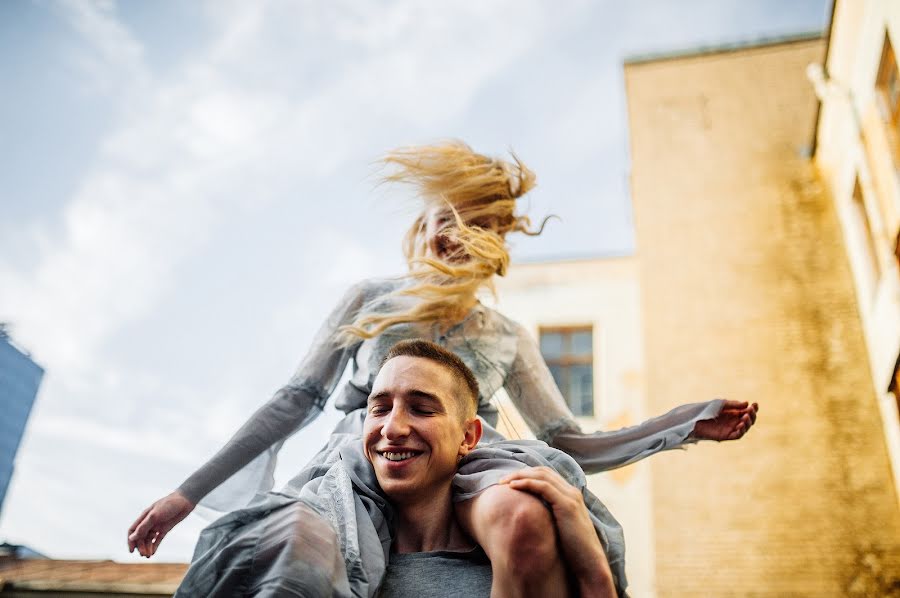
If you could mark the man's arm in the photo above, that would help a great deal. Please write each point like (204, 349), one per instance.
(578, 539)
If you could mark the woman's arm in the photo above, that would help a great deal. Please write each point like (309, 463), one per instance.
(534, 392)
(292, 407)
(601, 451)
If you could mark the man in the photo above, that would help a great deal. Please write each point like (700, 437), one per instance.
(420, 423)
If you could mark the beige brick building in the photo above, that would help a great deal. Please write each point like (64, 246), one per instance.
(747, 292)
(767, 210)
(858, 155)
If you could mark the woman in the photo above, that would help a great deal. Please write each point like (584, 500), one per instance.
(454, 248)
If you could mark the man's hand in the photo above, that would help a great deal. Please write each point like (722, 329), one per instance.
(578, 539)
(152, 525)
(733, 421)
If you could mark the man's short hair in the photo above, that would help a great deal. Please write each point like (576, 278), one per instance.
(468, 397)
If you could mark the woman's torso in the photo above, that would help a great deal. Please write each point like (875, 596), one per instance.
(485, 340)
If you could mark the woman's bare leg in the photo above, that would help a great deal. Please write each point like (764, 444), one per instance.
(517, 532)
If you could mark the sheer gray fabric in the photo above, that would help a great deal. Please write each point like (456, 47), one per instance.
(257, 546)
(247, 461)
(328, 531)
(500, 352)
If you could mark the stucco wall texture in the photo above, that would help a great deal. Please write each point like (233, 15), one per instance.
(747, 294)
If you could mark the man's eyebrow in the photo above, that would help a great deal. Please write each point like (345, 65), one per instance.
(422, 394)
(377, 396)
(414, 393)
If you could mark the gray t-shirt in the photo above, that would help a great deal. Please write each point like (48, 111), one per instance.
(439, 574)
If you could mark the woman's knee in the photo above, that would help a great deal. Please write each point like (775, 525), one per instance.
(299, 533)
(513, 527)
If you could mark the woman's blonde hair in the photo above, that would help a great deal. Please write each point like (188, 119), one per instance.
(479, 194)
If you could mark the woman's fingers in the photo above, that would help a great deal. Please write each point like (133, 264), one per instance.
(754, 408)
(133, 528)
(543, 473)
(737, 405)
(542, 488)
(134, 538)
(160, 533)
(155, 522)
(157, 538)
(143, 533)
(139, 519)
(746, 422)
(542, 481)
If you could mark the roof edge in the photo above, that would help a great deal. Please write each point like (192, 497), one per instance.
(814, 145)
(704, 50)
(99, 587)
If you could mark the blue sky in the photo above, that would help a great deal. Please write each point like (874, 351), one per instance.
(186, 187)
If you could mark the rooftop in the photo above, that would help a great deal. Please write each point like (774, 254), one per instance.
(101, 577)
(736, 46)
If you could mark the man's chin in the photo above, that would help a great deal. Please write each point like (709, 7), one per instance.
(412, 489)
(398, 485)
(399, 492)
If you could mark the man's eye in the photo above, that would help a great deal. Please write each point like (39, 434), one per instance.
(425, 411)
(378, 410)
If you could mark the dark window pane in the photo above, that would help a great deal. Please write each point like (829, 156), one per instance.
(551, 345)
(582, 389)
(557, 372)
(581, 342)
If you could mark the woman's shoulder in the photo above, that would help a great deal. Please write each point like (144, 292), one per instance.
(503, 323)
(371, 288)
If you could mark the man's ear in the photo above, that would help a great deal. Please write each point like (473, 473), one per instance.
(473, 432)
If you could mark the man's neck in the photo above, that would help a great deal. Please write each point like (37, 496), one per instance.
(429, 524)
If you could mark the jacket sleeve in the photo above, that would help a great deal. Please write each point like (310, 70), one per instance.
(293, 406)
(532, 389)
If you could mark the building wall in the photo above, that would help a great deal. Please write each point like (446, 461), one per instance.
(747, 293)
(854, 144)
(19, 381)
(604, 294)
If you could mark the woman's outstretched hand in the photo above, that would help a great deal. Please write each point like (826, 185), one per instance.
(578, 539)
(152, 525)
(733, 421)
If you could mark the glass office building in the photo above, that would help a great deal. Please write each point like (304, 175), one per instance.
(19, 381)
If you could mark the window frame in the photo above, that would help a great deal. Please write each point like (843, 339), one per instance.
(894, 384)
(568, 359)
(887, 79)
(858, 199)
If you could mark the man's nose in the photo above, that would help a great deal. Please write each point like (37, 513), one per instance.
(396, 425)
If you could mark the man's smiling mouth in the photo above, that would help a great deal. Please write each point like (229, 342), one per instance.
(396, 456)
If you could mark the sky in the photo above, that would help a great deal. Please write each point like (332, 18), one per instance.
(186, 188)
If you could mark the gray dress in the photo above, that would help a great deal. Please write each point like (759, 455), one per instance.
(328, 531)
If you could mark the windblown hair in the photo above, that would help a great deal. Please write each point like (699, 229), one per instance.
(468, 398)
(478, 194)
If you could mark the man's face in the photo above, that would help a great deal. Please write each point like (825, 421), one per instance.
(414, 432)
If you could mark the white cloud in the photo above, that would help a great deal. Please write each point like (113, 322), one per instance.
(111, 58)
(247, 142)
(189, 151)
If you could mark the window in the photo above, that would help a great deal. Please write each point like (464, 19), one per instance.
(569, 353)
(894, 387)
(887, 85)
(859, 206)
(897, 249)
